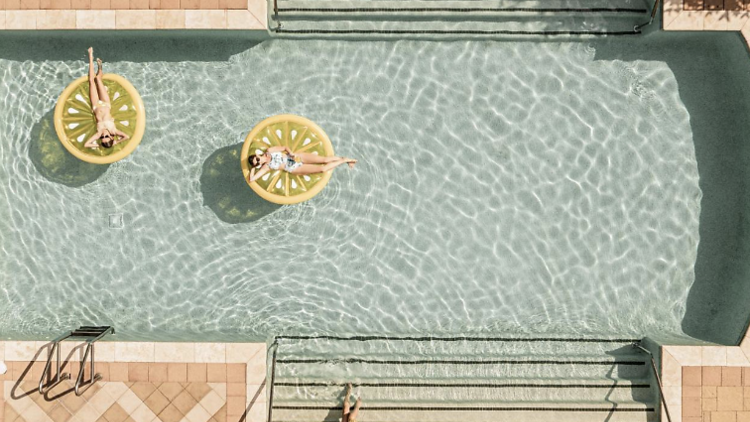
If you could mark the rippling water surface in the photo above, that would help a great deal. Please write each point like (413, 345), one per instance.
(522, 187)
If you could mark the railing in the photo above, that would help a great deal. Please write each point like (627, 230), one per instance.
(94, 376)
(656, 375)
(55, 350)
(650, 21)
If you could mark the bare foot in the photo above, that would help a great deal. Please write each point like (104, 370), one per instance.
(348, 389)
(99, 65)
(351, 163)
(91, 53)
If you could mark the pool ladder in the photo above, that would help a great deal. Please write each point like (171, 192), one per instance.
(91, 334)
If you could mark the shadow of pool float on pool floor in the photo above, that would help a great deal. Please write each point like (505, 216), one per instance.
(225, 191)
(54, 162)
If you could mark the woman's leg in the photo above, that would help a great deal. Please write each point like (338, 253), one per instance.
(310, 158)
(345, 414)
(92, 84)
(355, 412)
(103, 94)
(315, 168)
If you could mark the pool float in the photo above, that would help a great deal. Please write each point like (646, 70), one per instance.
(75, 122)
(300, 135)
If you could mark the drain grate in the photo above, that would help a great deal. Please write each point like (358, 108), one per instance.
(116, 221)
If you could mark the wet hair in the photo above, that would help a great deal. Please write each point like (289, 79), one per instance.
(109, 143)
(252, 160)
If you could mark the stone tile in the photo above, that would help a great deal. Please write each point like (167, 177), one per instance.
(706, 417)
(233, 4)
(157, 402)
(184, 402)
(257, 392)
(95, 19)
(716, 21)
(80, 4)
(235, 406)
(733, 5)
(711, 376)
(20, 369)
(713, 4)
(735, 356)
(208, 4)
(143, 389)
(87, 414)
(170, 19)
(73, 403)
(134, 351)
(100, 4)
(686, 355)
(196, 372)
(730, 398)
(157, 372)
(118, 371)
(236, 372)
(238, 389)
(175, 352)
(747, 404)
(12, 5)
(690, 392)
(746, 392)
(714, 355)
(743, 416)
(709, 392)
(708, 404)
(745, 345)
(197, 414)
(216, 372)
(177, 372)
(129, 401)
(190, 4)
(30, 4)
(731, 376)
(169, 4)
(205, 19)
(115, 389)
(243, 352)
(242, 19)
(691, 375)
(221, 415)
(724, 417)
(256, 371)
(736, 20)
(258, 412)
(687, 21)
(55, 4)
(120, 4)
(210, 352)
(140, 5)
(170, 390)
(115, 414)
(170, 414)
(198, 390)
(212, 402)
(101, 401)
(61, 414)
(220, 388)
(138, 372)
(143, 414)
(136, 19)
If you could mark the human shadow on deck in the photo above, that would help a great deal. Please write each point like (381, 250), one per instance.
(133, 46)
(226, 192)
(54, 162)
(712, 75)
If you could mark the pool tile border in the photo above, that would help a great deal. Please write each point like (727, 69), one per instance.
(132, 16)
(240, 366)
(675, 358)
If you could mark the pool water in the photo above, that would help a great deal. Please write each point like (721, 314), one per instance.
(502, 187)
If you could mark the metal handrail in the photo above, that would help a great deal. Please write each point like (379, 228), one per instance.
(55, 349)
(94, 376)
(650, 21)
(656, 374)
(275, 346)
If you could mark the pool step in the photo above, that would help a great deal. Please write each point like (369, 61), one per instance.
(459, 379)
(482, 18)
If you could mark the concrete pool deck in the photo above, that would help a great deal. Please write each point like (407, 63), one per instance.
(141, 382)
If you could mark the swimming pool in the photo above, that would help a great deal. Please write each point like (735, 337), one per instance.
(502, 187)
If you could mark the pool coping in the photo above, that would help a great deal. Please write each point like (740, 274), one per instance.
(252, 355)
(254, 18)
(675, 358)
(676, 18)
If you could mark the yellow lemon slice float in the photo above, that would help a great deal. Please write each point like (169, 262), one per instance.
(75, 122)
(300, 135)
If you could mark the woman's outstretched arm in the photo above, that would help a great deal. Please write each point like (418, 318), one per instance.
(123, 137)
(91, 143)
(255, 175)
